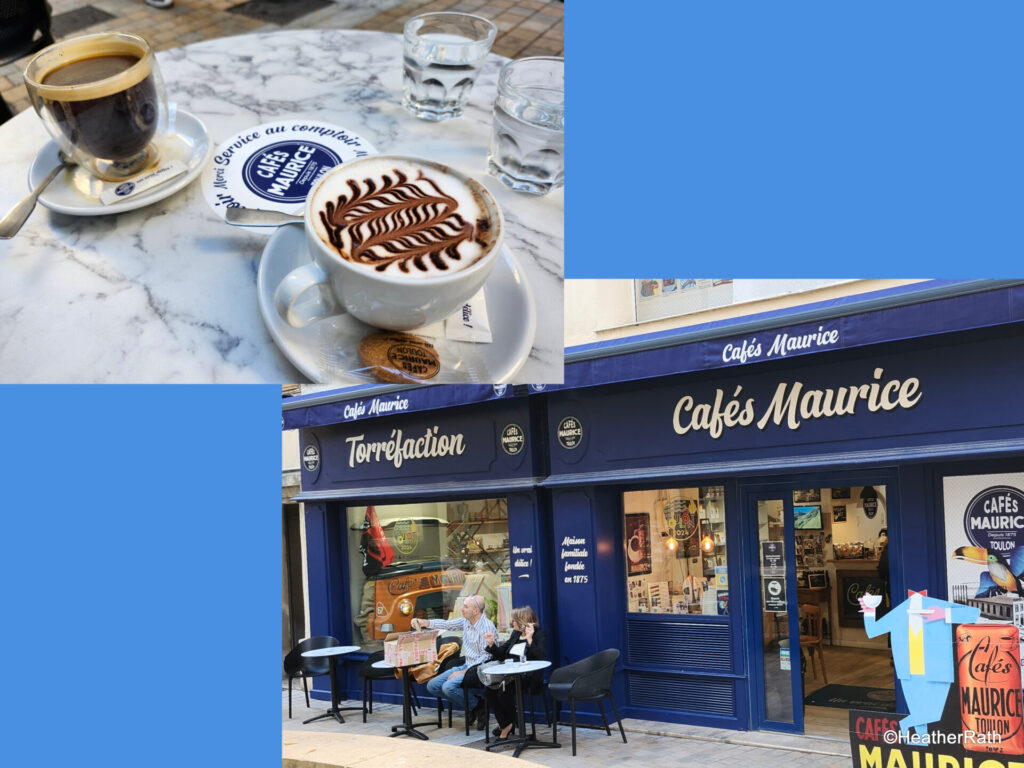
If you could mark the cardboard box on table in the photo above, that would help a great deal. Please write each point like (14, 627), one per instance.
(407, 648)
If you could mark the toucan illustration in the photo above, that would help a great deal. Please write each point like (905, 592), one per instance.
(1003, 575)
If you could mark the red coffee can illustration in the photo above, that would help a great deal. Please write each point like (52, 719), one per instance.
(988, 667)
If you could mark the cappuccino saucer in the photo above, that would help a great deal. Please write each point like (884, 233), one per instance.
(75, 191)
(326, 351)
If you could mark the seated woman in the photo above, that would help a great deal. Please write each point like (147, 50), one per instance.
(502, 700)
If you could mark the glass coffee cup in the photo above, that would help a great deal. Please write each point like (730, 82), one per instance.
(102, 100)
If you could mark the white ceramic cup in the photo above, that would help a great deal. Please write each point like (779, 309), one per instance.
(331, 284)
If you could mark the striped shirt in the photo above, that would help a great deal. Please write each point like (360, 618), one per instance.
(474, 647)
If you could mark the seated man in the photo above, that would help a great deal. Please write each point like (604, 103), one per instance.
(474, 627)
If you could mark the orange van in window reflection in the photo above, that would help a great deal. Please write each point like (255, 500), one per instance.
(413, 590)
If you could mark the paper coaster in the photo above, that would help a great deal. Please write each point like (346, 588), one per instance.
(275, 165)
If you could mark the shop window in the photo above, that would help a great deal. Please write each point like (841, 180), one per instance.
(675, 548)
(423, 560)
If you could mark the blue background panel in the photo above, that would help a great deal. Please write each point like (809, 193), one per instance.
(142, 554)
(795, 138)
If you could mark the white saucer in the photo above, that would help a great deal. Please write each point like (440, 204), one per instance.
(75, 191)
(326, 351)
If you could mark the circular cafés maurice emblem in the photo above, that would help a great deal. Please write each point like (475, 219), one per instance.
(311, 458)
(513, 438)
(570, 432)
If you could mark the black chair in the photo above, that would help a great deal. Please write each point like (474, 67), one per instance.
(24, 29)
(296, 666)
(369, 673)
(589, 679)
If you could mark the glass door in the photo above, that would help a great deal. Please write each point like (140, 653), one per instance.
(780, 705)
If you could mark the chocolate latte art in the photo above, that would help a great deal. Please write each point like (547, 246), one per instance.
(403, 219)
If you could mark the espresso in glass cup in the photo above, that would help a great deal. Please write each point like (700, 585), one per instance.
(102, 99)
(398, 242)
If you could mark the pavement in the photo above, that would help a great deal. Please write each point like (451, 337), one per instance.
(525, 27)
(650, 744)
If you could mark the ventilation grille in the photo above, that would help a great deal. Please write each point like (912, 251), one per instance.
(677, 645)
(714, 697)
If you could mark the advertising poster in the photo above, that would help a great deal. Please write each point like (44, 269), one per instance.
(984, 519)
(638, 543)
(980, 724)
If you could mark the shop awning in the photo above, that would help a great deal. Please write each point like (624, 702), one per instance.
(912, 311)
(421, 490)
(897, 314)
(775, 464)
(358, 403)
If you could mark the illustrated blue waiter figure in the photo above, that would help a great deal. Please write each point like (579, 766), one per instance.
(922, 650)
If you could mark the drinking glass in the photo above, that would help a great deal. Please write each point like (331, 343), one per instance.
(528, 141)
(443, 55)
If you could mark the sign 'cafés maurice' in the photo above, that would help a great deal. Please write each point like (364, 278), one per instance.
(792, 404)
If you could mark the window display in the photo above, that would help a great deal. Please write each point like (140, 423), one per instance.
(422, 560)
(675, 546)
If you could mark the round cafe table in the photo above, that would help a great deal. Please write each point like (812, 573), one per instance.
(332, 654)
(516, 670)
(167, 293)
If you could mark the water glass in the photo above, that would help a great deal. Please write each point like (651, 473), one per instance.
(528, 140)
(443, 54)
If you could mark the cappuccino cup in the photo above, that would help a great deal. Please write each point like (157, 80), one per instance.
(397, 242)
(102, 100)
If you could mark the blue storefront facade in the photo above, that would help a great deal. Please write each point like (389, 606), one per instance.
(898, 392)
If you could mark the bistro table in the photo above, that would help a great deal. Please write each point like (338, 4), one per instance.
(516, 670)
(332, 653)
(167, 293)
(408, 727)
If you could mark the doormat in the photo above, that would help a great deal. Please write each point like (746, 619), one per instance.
(853, 697)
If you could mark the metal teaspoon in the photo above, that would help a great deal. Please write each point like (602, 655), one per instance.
(256, 217)
(14, 220)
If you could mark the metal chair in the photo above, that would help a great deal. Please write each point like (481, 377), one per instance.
(589, 679)
(24, 29)
(296, 666)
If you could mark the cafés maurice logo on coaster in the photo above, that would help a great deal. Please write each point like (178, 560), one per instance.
(398, 448)
(779, 345)
(275, 165)
(792, 404)
(286, 170)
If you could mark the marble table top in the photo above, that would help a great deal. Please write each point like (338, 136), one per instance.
(167, 293)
